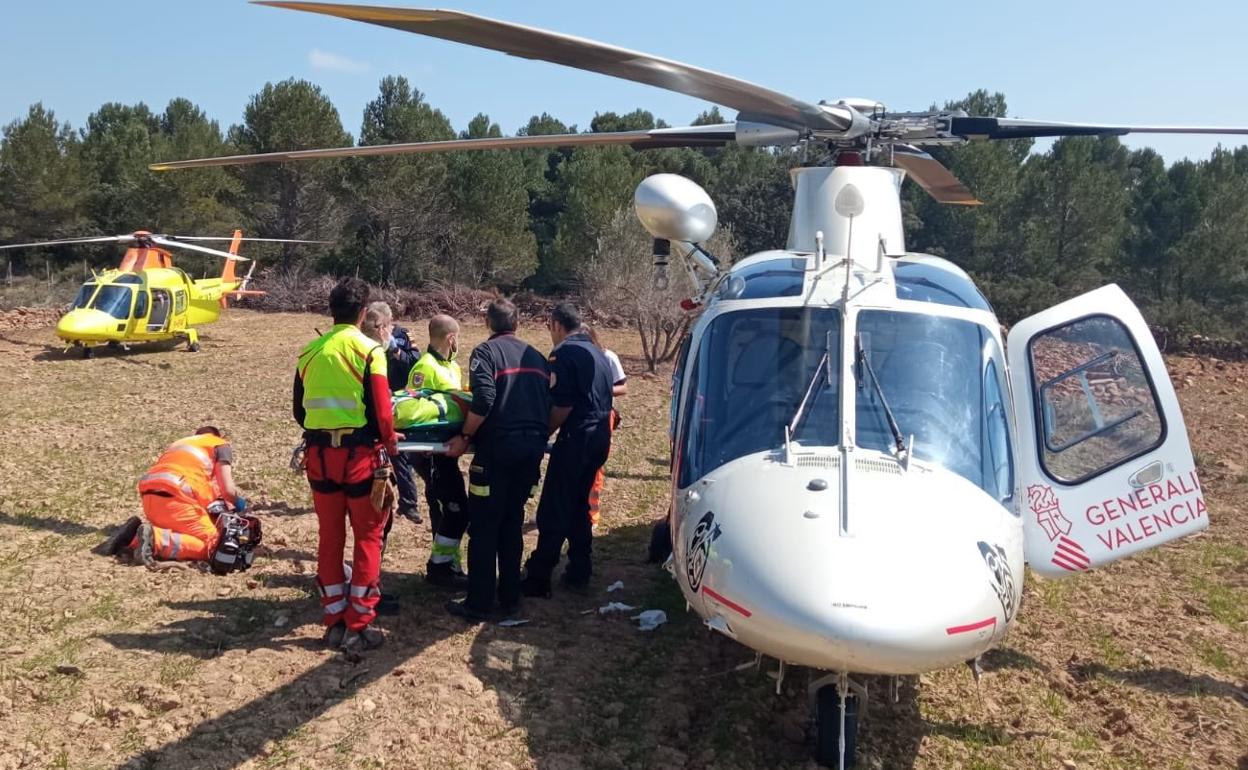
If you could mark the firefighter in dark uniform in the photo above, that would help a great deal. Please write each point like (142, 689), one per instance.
(507, 425)
(580, 390)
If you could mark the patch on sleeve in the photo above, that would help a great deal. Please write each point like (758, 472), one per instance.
(418, 379)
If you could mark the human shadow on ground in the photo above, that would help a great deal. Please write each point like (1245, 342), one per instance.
(231, 739)
(52, 524)
(1167, 681)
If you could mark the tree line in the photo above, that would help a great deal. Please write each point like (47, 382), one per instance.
(1085, 212)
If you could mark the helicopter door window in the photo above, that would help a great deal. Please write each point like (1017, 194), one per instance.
(114, 300)
(160, 310)
(1097, 406)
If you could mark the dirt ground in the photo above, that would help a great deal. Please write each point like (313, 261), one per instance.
(1141, 665)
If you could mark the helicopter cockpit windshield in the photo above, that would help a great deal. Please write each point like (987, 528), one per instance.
(942, 380)
(114, 300)
(753, 369)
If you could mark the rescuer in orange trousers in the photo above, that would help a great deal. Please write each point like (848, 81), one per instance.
(342, 401)
(183, 494)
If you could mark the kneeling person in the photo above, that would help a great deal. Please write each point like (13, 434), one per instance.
(186, 497)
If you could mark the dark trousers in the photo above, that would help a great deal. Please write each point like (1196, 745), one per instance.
(406, 482)
(500, 480)
(445, 493)
(563, 511)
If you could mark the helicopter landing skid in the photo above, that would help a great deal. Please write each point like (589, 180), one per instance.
(836, 701)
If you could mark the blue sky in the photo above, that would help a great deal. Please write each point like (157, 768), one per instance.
(1106, 61)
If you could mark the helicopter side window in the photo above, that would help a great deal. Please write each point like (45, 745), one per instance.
(752, 369)
(929, 370)
(84, 295)
(1098, 408)
(114, 300)
(919, 282)
(140, 304)
(998, 469)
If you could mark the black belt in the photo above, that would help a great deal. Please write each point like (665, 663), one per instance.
(335, 438)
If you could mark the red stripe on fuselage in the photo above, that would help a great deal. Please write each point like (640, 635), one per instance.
(992, 621)
(727, 602)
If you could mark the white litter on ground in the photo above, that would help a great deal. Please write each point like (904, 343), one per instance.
(617, 585)
(615, 607)
(651, 619)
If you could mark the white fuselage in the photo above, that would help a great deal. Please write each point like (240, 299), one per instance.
(834, 550)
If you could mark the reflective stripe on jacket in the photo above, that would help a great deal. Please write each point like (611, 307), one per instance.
(187, 469)
(332, 370)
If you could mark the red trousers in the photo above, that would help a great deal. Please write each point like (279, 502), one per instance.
(341, 478)
(182, 530)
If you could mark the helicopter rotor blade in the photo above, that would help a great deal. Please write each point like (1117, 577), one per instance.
(1018, 128)
(162, 241)
(99, 239)
(933, 176)
(692, 136)
(754, 101)
(228, 238)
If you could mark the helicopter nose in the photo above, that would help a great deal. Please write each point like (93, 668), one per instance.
(908, 587)
(86, 324)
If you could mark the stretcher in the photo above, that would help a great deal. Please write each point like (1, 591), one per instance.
(429, 436)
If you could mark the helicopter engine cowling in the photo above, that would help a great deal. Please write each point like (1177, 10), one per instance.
(767, 554)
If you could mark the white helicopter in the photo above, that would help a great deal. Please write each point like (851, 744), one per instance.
(861, 464)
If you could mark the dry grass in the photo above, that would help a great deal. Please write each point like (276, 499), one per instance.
(1141, 665)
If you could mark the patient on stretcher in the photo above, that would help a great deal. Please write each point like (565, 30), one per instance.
(430, 415)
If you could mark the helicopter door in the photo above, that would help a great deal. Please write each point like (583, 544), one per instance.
(1105, 466)
(161, 303)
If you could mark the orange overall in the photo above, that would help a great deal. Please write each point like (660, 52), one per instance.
(176, 492)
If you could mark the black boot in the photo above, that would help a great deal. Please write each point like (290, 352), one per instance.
(535, 587)
(119, 540)
(388, 604)
(446, 574)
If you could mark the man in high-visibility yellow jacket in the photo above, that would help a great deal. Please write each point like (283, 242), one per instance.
(342, 401)
(445, 492)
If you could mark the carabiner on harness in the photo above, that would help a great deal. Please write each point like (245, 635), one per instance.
(299, 458)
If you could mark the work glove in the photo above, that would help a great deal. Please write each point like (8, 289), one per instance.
(240, 503)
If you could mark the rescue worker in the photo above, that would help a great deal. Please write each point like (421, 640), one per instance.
(342, 401)
(401, 356)
(444, 482)
(507, 424)
(619, 387)
(580, 389)
(379, 325)
(192, 476)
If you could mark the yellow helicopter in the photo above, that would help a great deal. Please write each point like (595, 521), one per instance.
(147, 299)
